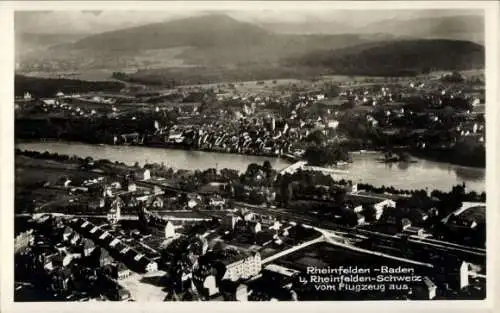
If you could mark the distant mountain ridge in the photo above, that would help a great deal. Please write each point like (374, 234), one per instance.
(201, 31)
(215, 40)
(218, 44)
(457, 27)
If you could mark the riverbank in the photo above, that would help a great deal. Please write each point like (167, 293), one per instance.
(441, 156)
(44, 163)
(364, 169)
(285, 156)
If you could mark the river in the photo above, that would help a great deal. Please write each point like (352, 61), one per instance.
(365, 167)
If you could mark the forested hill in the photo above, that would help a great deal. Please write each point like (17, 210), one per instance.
(397, 57)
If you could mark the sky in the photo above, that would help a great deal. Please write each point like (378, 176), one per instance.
(54, 22)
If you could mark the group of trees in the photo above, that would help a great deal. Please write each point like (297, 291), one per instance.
(49, 156)
(259, 175)
(316, 137)
(305, 182)
(305, 191)
(148, 80)
(465, 152)
(322, 155)
(454, 77)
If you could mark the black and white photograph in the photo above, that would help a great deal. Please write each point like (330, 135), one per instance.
(244, 153)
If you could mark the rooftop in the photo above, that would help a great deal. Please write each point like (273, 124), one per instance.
(281, 270)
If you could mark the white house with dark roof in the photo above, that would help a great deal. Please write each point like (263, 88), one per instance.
(138, 256)
(255, 227)
(148, 265)
(104, 235)
(169, 230)
(431, 288)
(114, 242)
(124, 250)
(122, 271)
(142, 174)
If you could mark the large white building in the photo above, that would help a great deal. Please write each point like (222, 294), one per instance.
(244, 267)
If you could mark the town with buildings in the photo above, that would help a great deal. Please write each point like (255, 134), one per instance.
(430, 117)
(327, 188)
(107, 231)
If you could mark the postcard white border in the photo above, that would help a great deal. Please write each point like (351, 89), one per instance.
(7, 172)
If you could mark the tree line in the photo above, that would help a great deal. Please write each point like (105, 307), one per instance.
(48, 87)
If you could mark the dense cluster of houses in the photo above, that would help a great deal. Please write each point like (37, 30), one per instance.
(66, 262)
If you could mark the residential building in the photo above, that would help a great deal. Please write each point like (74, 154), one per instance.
(360, 219)
(132, 187)
(249, 216)
(97, 203)
(88, 246)
(412, 230)
(114, 213)
(431, 288)
(217, 202)
(169, 230)
(464, 275)
(241, 293)
(142, 174)
(254, 227)
(379, 207)
(157, 202)
(210, 285)
(276, 225)
(121, 271)
(148, 265)
(244, 265)
(229, 221)
(104, 258)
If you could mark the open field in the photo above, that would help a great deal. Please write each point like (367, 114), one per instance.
(29, 176)
(30, 171)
